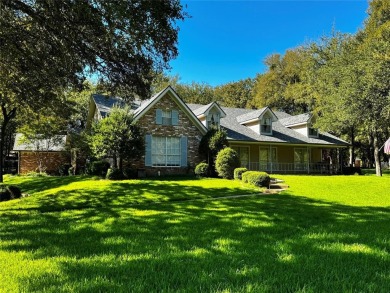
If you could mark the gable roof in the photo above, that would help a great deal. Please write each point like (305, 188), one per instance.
(296, 120)
(55, 144)
(206, 108)
(254, 115)
(147, 104)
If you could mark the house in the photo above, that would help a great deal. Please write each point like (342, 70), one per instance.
(41, 155)
(266, 140)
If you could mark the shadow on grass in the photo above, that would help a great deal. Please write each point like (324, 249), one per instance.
(267, 243)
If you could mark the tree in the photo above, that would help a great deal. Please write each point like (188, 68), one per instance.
(211, 143)
(283, 86)
(117, 136)
(236, 94)
(48, 45)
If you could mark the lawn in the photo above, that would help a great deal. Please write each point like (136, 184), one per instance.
(79, 234)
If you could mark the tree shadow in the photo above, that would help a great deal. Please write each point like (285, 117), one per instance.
(267, 243)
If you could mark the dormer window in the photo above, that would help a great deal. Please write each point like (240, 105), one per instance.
(266, 126)
(312, 132)
(212, 120)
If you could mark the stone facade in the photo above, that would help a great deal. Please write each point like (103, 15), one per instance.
(51, 161)
(185, 127)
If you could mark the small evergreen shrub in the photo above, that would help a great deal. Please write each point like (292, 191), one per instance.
(98, 168)
(257, 178)
(238, 173)
(227, 160)
(114, 174)
(202, 169)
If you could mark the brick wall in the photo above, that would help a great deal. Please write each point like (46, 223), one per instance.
(185, 127)
(28, 161)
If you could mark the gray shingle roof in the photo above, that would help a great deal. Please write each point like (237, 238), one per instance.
(294, 120)
(55, 144)
(251, 115)
(280, 133)
(104, 104)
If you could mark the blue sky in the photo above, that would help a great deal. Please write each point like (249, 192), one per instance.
(226, 41)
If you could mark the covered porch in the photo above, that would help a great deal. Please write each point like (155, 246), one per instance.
(290, 159)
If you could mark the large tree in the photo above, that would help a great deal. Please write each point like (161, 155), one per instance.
(284, 86)
(237, 94)
(47, 45)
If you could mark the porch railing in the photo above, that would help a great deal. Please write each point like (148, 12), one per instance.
(290, 168)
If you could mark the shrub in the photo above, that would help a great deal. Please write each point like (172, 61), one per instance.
(256, 178)
(130, 173)
(202, 169)
(9, 192)
(227, 160)
(238, 172)
(98, 168)
(114, 174)
(63, 170)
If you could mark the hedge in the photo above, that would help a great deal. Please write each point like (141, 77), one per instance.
(238, 172)
(256, 178)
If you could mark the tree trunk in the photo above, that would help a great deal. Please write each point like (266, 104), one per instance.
(378, 169)
(7, 117)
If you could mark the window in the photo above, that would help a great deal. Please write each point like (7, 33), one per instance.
(166, 151)
(243, 153)
(167, 117)
(313, 132)
(266, 126)
(213, 120)
(268, 158)
(301, 159)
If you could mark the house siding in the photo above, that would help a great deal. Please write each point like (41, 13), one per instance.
(28, 161)
(185, 127)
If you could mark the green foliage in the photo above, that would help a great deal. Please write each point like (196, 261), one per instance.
(212, 142)
(98, 168)
(227, 160)
(238, 173)
(8, 192)
(63, 170)
(284, 86)
(202, 169)
(114, 174)
(256, 178)
(117, 136)
(236, 94)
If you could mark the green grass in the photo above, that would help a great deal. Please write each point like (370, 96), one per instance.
(77, 234)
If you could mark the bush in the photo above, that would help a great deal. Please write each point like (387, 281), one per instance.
(130, 173)
(98, 168)
(227, 160)
(202, 169)
(63, 170)
(114, 174)
(238, 173)
(9, 192)
(257, 178)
